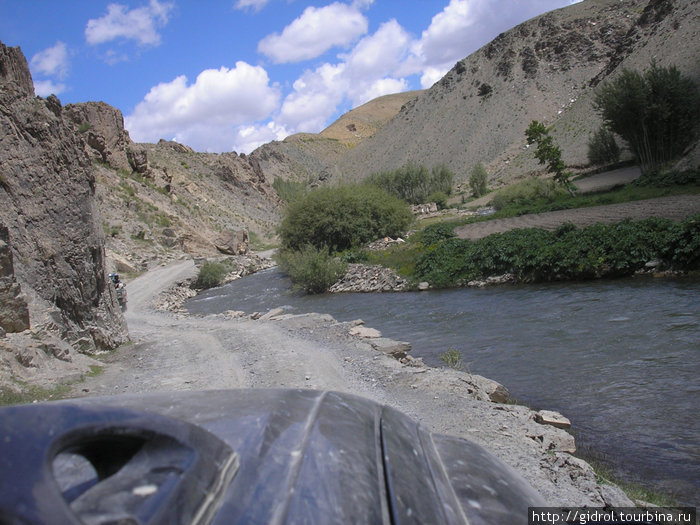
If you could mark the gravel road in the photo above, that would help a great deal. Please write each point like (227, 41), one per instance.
(172, 352)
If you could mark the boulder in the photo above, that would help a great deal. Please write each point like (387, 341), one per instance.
(233, 242)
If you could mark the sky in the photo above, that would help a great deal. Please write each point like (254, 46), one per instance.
(230, 75)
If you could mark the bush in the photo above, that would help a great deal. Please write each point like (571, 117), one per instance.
(434, 233)
(452, 358)
(568, 253)
(289, 190)
(439, 198)
(603, 148)
(664, 178)
(211, 274)
(311, 269)
(477, 180)
(656, 113)
(339, 218)
(528, 192)
(414, 183)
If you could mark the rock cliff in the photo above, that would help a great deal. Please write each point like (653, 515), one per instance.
(48, 211)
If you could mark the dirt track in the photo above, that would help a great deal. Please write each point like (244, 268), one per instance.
(676, 208)
(314, 351)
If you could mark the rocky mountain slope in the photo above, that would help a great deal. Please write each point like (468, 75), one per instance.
(546, 69)
(311, 157)
(159, 201)
(56, 300)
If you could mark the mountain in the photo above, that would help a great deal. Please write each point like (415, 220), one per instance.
(315, 156)
(545, 69)
(158, 201)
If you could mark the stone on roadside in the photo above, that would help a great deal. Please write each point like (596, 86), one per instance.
(272, 313)
(555, 419)
(396, 349)
(364, 331)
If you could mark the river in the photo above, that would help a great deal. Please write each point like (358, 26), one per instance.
(617, 357)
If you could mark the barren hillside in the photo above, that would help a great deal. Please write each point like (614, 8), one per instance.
(546, 69)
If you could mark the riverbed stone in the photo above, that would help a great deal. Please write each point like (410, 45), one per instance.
(365, 331)
(555, 419)
(272, 313)
(396, 349)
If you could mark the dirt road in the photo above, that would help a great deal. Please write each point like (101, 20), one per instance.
(677, 208)
(314, 351)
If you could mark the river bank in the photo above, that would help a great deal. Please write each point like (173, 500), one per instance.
(175, 351)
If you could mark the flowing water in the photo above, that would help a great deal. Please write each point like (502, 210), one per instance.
(617, 357)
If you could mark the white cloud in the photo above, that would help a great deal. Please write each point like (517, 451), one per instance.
(138, 24)
(314, 99)
(431, 75)
(250, 137)
(52, 61)
(378, 88)
(256, 5)
(44, 88)
(205, 114)
(316, 31)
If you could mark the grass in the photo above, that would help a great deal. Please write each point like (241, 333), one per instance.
(605, 475)
(401, 258)
(33, 393)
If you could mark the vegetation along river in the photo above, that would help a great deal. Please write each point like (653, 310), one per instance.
(618, 357)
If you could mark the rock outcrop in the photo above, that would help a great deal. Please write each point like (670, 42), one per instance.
(47, 205)
(14, 313)
(102, 129)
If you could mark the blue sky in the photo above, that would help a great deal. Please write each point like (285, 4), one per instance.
(233, 74)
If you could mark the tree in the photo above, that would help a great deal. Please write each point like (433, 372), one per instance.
(338, 218)
(603, 148)
(477, 180)
(656, 113)
(548, 153)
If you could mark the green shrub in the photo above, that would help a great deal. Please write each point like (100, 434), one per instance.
(600, 250)
(477, 180)
(452, 358)
(339, 218)
(664, 178)
(289, 190)
(603, 148)
(211, 274)
(439, 198)
(434, 233)
(414, 183)
(528, 192)
(311, 269)
(656, 113)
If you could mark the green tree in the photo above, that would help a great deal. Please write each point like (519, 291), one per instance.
(656, 113)
(603, 148)
(413, 182)
(548, 153)
(338, 218)
(311, 269)
(477, 180)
